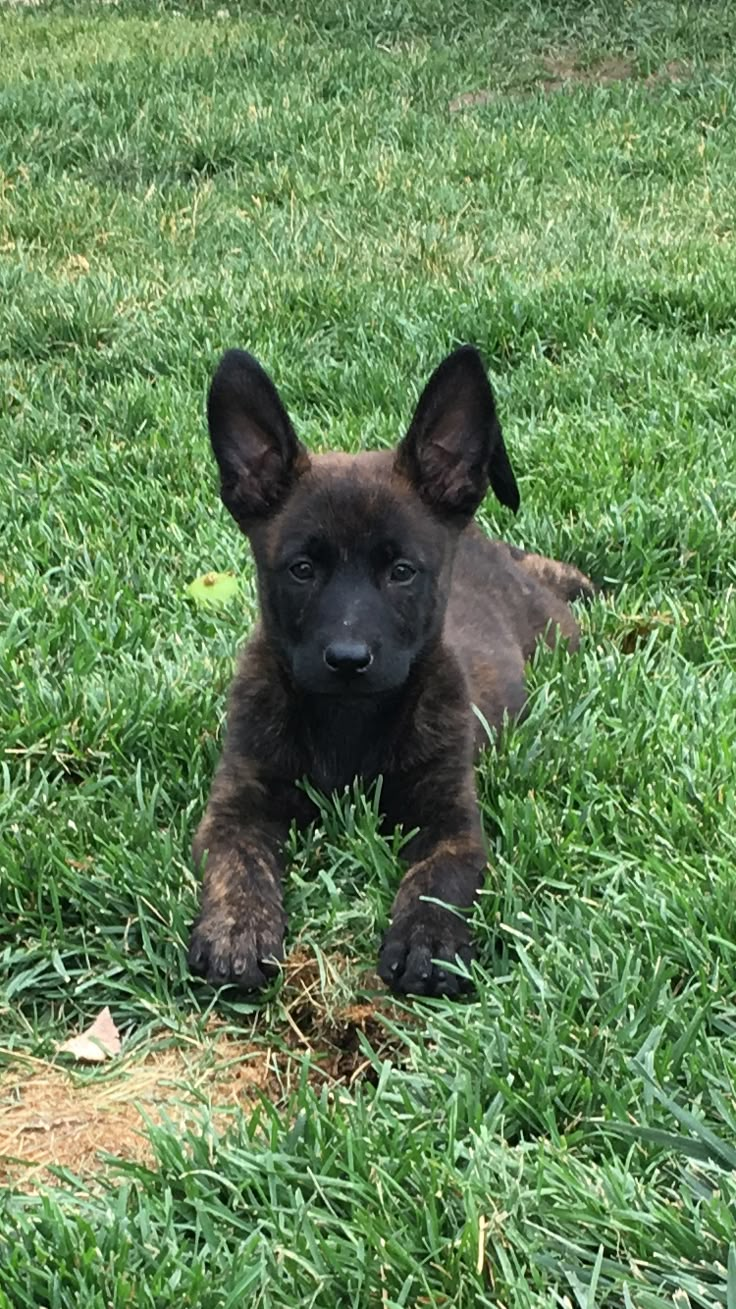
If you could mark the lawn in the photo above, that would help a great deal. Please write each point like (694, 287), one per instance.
(349, 191)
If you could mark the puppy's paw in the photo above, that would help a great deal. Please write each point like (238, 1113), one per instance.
(416, 948)
(245, 952)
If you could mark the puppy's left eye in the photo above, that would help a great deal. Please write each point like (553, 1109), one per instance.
(302, 570)
(402, 572)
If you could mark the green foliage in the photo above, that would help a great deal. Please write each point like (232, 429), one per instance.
(289, 178)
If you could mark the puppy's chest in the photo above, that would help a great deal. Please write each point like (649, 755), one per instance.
(345, 742)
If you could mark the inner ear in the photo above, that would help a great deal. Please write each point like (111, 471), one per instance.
(254, 443)
(454, 447)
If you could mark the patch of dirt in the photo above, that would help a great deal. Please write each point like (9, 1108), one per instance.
(74, 266)
(331, 1035)
(471, 99)
(51, 1114)
(563, 71)
(675, 71)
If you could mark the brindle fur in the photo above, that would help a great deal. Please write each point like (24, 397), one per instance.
(485, 606)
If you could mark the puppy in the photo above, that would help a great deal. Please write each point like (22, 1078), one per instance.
(386, 615)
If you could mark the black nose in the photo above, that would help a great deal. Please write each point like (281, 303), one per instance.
(348, 657)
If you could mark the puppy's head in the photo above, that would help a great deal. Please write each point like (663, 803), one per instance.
(354, 552)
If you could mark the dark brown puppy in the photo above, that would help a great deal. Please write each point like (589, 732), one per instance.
(385, 616)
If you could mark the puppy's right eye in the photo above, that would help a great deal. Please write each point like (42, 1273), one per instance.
(402, 572)
(302, 570)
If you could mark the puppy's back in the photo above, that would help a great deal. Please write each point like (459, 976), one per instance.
(502, 600)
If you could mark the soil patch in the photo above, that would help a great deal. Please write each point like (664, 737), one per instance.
(562, 72)
(54, 1115)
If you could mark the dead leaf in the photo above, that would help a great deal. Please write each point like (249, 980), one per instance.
(99, 1042)
(640, 629)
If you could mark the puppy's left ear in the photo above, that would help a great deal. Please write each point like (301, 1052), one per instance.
(454, 447)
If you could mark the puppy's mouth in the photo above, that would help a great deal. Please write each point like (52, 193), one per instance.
(354, 688)
(349, 687)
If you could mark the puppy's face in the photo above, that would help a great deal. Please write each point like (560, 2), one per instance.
(354, 553)
(353, 577)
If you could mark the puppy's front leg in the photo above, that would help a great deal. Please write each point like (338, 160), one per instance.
(429, 919)
(239, 933)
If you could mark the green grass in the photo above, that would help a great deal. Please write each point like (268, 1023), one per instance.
(290, 179)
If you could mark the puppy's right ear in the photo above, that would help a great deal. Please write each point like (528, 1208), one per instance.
(254, 443)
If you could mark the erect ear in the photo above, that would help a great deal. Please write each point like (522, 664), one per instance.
(455, 446)
(253, 440)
